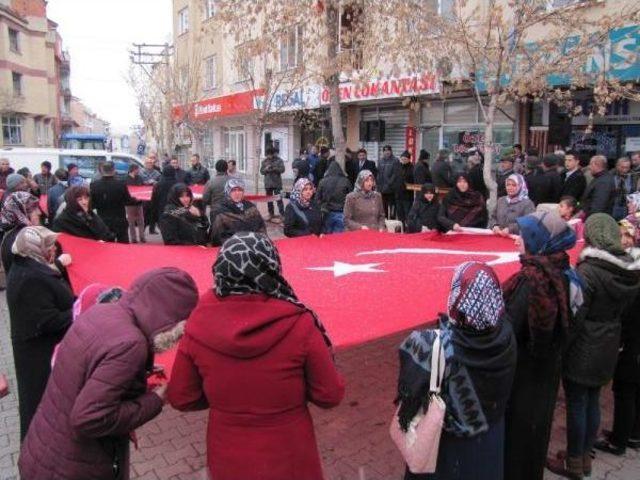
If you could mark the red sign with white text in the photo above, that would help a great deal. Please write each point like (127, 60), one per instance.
(211, 108)
(410, 141)
(422, 84)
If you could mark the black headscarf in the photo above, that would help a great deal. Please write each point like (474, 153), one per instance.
(174, 205)
(249, 263)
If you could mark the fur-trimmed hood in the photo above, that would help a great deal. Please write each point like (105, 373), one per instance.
(618, 275)
(630, 261)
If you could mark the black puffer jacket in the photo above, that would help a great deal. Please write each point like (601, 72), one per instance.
(611, 284)
(333, 189)
(628, 368)
(80, 224)
(423, 214)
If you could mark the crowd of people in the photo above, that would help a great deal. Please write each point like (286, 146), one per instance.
(83, 361)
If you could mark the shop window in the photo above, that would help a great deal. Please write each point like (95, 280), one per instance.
(12, 130)
(460, 113)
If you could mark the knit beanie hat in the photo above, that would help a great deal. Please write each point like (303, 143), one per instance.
(14, 180)
(602, 231)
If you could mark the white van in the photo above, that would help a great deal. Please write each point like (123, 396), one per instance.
(86, 160)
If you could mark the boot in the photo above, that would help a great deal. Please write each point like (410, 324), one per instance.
(586, 465)
(571, 468)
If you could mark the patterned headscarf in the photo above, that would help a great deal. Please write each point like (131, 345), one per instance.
(475, 300)
(230, 185)
(35, 243)
(635, 199)
(362, 176)
(16, 210)
(523, 191)
(249, 263)
(296, 193)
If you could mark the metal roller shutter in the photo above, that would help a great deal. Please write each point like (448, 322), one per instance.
(396, 120)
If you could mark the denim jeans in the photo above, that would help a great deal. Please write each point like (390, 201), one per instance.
(334, 222)
(583, 417)
(275, 191)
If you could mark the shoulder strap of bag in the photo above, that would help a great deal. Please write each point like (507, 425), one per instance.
(437, 364)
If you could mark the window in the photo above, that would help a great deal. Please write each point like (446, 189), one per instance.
(209, 9)
(235, 148)
(210, 76)
(12, 130)
(243, 68)
(17, 84)
(87, 165)
(14, 40)
(551, 4)
(39, 128)
(183, 21)
(207, 148)
(291, 48)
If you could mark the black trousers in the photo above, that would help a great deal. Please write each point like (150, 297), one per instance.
(120, 227)
(626, 412)
(275, 191)
(389, 205)
(150, 216)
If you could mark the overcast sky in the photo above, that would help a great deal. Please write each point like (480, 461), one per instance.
(98, 35)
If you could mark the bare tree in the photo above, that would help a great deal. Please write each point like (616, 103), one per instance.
(507, 52)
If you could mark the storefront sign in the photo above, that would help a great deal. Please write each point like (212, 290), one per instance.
(471, 139)
(632, 144)
(424, 84)
(290, 100)
(410, 142)
(211, 108)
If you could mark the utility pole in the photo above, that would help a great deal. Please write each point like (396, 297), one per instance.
(150, 58)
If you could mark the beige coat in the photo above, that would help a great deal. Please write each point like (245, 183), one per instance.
(360, 211)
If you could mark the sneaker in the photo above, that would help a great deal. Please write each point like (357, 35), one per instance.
(607, 446)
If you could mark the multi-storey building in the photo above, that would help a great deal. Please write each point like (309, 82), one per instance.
(34, 76)
(379, 112)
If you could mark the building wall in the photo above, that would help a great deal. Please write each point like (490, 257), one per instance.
(37, 105)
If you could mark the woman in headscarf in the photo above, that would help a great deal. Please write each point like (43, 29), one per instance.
(462, 207)
(424, 212)
(182, 223)
(21, 209)
(302, 215)
(611, 278)
(626, 379)
(540, 300)
(480, 352)
(234, 214)
(363, 209)
(40, 308)
(513, 205)
(79, 219)
(255, 356)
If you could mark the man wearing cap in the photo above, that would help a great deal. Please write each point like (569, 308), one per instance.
(110, 196)
(504, 170)
(546, 186)
(14, 183)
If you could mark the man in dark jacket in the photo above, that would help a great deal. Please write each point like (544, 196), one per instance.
(5, 171)
(332, 191)
(547, 186)
(421, 171)
(97, 394)
(110, 196)
(198, 173)
(574, 182)
(181, 175)
(322, 165)
(214, 190)
(272, 168)
(387, 179)
(404, 196)
(441, 171)
(355, 166)
(56, 194)
(45, 179)
(301, 167)
(599, 194)
(476, 174)
(623, 186)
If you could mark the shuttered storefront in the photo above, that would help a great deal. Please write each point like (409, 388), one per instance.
(396, 120)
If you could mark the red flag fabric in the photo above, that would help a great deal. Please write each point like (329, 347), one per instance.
(363, 285)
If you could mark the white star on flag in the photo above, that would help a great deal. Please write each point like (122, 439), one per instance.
(341, 269)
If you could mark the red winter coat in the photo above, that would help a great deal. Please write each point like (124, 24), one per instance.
(255, 362)
(97, 391)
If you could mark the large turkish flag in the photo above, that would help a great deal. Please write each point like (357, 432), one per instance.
(363, 285)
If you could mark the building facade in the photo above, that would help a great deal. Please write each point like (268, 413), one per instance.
(34, 75)
(406, 112)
